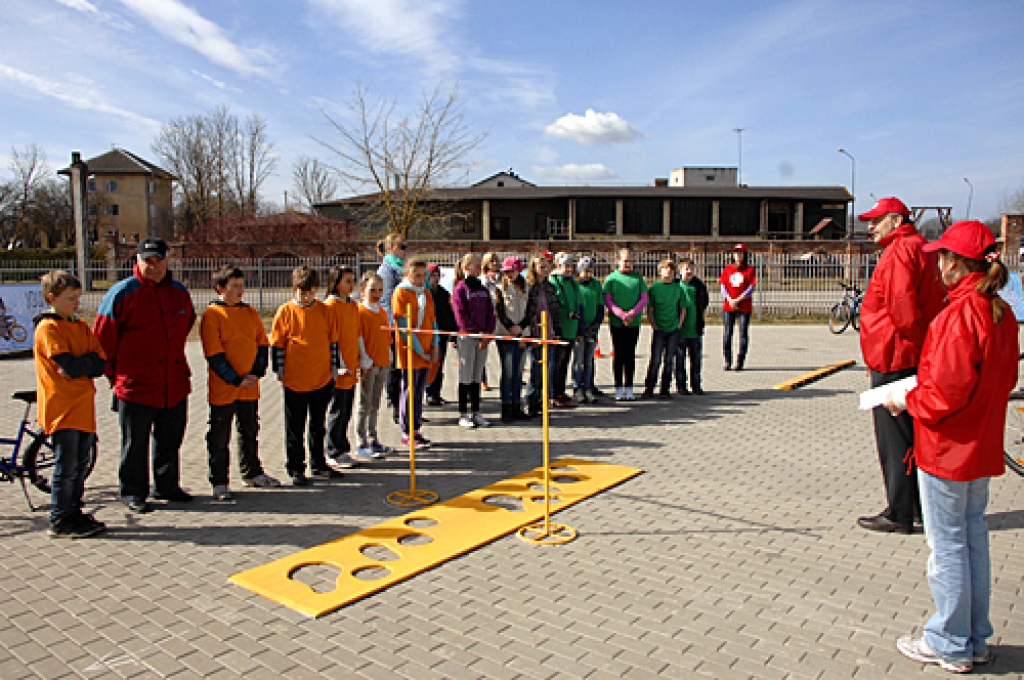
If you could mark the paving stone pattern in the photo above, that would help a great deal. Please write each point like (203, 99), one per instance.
(735, 555)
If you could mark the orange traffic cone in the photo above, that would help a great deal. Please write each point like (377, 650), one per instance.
(598, 355)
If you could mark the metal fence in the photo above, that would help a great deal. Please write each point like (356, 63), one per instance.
(789, 285)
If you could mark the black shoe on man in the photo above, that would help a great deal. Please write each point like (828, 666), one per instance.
(882, 523)
(176, 496)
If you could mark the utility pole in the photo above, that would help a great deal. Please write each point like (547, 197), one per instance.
(853, 188)
(739, 167)
(79, 176)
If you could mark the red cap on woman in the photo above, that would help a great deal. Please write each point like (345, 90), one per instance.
(969, 238)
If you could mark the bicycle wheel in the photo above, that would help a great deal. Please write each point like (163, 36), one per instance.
(19, 333)
(36, 459)
(839, 317)
(855, 320)
(1015, 463)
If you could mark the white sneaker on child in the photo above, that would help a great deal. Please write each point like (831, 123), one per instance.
(467, 422)
(480, 421)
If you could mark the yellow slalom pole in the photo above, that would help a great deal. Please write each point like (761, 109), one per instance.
(412, 497)
(546, 533)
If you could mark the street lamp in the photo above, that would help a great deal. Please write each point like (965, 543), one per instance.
(853, 186)
(739, 169)
(970, 197)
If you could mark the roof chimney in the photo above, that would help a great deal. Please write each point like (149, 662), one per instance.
(661, 181)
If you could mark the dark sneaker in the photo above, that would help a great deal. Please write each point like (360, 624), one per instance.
(664, 396)
(176, 496)
(682, 391)
(136, 505)
(648, 394)
(299, 479)
(70, 527)
(698, 391)
(596, 392)
(326, 474)
(884, 524)
(91, 524)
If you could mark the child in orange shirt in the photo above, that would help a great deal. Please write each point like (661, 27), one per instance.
(412, 306)
(374, 365)
(345, 313)
(68, 356)
(235, 347)
(304, 357)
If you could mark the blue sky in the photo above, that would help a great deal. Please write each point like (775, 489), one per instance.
(923, 94)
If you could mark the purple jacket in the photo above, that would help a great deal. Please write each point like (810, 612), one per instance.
(474, 309)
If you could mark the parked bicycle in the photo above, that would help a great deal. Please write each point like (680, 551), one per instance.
(10, 329)
(847, 310)
(32, 462)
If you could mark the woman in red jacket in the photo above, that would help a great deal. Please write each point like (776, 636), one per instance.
(968, 369)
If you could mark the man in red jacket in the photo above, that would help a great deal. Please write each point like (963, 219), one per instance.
(904, 295)
(142, 324)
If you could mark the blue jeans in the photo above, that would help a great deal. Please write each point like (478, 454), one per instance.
(729, 320)
(663, 356)
(959, 571)
(513, 358)
(693, 347)
(72, 449)
(419, 385)
(583, 363)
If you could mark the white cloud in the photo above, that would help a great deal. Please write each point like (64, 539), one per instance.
(408, 28)
(80, 5)
(571, 172)
(86, 7)
(186, 26)
(81, 94)
(593, 128)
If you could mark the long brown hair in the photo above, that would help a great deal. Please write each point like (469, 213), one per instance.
(531, 273)
(995, 279)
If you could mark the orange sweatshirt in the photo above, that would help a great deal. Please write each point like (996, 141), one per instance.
(67, 402)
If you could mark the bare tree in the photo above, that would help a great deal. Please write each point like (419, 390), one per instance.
(221, 162)
(402, 156)
(1014, 203)
(314, 182)
(29, 168)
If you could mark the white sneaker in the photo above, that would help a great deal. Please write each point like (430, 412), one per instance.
(467, 422)
(262, 481)
(480, 421)
(629, 394)
(619, 394)
(221, 492)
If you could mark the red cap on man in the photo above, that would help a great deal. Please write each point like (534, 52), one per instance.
(885, 206)
(740, 248)
(968, 238)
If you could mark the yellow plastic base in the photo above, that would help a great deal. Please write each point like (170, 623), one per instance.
(806, 378)
(552, 534)
(429, 536)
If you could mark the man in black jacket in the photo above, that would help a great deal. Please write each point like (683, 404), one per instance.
(445, 322)
(692, 346)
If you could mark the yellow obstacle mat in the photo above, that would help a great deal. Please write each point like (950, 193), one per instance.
(820, 373)
(428, 536)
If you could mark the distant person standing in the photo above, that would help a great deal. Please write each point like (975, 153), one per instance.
(691, 335)
(904, 295)
(393, 248)
(142, 324)
(445, 322)
(625, 297)
(738, 281)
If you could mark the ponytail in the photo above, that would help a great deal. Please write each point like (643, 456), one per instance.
(460, 266)
(459, 273)
(995, 279)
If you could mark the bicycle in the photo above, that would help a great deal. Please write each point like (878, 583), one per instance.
(846, 311)
(36, 458)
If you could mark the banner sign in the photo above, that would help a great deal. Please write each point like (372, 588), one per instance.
(19, 304)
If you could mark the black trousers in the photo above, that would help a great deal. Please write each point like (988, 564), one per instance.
(146, 430)
(298, 408)
(434, 388)
(393, 387)
(245, 415)
(338, 419)
(895, 438)
(624, 362)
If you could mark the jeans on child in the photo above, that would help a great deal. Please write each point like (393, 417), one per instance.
(959, 569)
(513, 359)
(663, 357)
(693, 347)
(72, 450)
(583, 363)
(419, 378)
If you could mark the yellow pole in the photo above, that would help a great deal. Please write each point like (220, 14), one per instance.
(411, 415)
(544, 411)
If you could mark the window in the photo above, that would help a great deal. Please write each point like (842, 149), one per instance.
(113, 210)
(94, 211)
(111, 186)
(500, 183)
(709, 178)
(152, 187)
(152, 211)
(90, 186)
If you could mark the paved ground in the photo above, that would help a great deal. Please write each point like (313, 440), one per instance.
(735, 555)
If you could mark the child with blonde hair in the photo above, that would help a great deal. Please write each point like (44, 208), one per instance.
(474, 313)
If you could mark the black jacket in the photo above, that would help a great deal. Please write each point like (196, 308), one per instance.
(443, 311)
(702, 302)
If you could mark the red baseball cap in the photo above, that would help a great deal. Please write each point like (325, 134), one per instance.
(887, 205)
(434, 268)
(547, 255)
(740, 248)
(968, 238)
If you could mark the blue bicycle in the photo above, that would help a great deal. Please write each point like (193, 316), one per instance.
(847, 311)
(31, 462)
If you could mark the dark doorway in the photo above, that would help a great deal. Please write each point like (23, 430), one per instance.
(540, 226)
(501, 228)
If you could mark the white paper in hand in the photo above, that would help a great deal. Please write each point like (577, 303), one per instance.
(876, 397)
